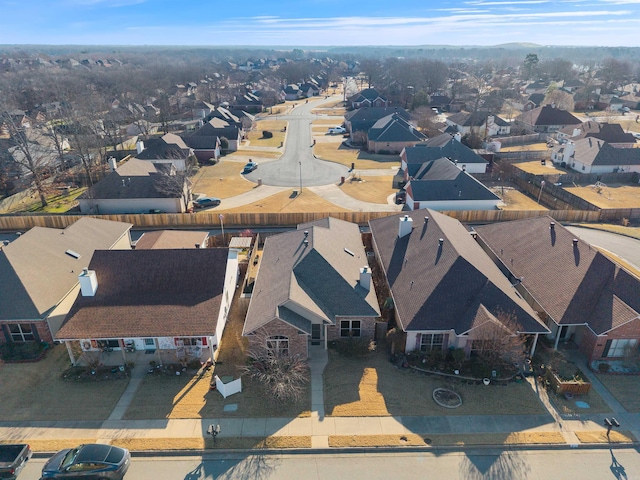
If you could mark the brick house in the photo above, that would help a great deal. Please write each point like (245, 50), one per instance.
(39, 273)
(314, 286)
(586, 298)
(445, 289)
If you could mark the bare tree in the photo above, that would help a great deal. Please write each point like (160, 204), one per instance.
(559, 98)
(284, 376)
(499, 340)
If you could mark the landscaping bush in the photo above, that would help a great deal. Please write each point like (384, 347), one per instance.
(354, 347)
(19, 352)
(603, 367)
(267, 134)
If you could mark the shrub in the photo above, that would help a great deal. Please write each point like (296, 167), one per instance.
(458, 356)
(267, 134)
(354, 347)
(16, 352)
(604, 367)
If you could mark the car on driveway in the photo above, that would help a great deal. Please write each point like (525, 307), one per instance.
(337, 129)
(90, 461)
(250, 167)
(204, 202)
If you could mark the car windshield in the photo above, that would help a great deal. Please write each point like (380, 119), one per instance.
(69, 458)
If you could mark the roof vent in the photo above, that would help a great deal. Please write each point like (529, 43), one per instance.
(552, 225)
(440, 241)
(306, 233)
(306, 242)
(426, 219)
(575, 242)
(349, 252)
(73, 254)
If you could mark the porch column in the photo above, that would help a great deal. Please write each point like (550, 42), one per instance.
(324, 326)
(555, 346)
(123, 350)
(70, 352)
(533, 347)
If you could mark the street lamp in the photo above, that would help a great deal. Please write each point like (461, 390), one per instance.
(221, 217)
(300, 163)
(541, 187)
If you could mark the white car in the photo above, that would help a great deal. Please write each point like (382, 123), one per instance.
(337, 129)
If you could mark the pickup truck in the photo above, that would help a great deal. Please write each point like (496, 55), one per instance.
(12, 460)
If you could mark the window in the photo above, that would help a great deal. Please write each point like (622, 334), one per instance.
(149, 342)
(431, 341)
(623, 347)
(21, 332)
(189, 342)
(350, 328)
(278, 345)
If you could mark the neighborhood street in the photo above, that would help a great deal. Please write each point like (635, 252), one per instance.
(298, 166)
(625, 247)
(603, 464)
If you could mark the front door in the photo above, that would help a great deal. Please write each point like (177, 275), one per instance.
(316, 334)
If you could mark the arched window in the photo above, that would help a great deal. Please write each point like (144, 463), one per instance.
(278, 345)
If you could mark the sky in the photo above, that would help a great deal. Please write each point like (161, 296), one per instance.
(320, 23)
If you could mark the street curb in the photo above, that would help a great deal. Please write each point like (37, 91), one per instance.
(372, 450)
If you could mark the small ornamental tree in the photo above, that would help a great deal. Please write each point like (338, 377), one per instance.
(499, 341)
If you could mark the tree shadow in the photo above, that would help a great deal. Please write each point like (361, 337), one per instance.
(496, 466)
(250, 467)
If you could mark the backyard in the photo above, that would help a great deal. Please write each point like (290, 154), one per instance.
(536, 168)
(516, 200)
(609, 195)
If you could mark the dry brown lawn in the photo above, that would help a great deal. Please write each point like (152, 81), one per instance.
(153, 444)
(255, 155)
(373, 189)
(536, 168)
(273, 126)
(611, 196)
(372, 386)
(222, 180)
(625, 388)
(600, 436)
(36, 391)
(336, 152)
(568, 407)
(439, 440)
(532, 147)
(186, 396)
(516, 200)
(52, 445)
(283, 202)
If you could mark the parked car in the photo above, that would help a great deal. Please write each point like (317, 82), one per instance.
(250, 167)
(88, 461)
(206, 202)
(13, 459)
(337, 129)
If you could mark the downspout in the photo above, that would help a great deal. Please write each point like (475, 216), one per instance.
(555, 346)
(533, 347)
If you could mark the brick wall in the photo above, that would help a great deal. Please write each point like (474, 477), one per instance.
(297, 342)
(44, 334)
(367, 328)
(593, 346)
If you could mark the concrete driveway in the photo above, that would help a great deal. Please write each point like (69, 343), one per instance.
(297, 166)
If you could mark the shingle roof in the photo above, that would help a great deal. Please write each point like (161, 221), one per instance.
(36, 272)
(547, 115)
(150, 293)
(442, 146)
(609, 132)
(170, 239)
(592, 151)
(440, 179)
(444, 287)
(168, 147)
(363, 119)
(393, 128)
(574, 284)
(320, 278)
(478, 119)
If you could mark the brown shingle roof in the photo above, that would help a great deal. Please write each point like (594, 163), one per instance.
(150, 293)
(448, 286)
(166, 239)
(575, 284)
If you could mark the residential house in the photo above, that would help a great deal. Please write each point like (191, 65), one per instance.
(138, 186)
(292, 92)
(248, 102)
(442, 185)
(169, 149)
(309, 90)
(314, 286)
(483, 123)
(391, 134)
(446, 290)
(442, 146)
(441, 102)
(587, 298)
(358, 122)
(171, 239)
(213, 130)
(546, 119)
(539, 86)
(534, 101)
(202, 109)
(369, 97)
(39, 272)
(591, 155)
(174, 303)
(611, 133)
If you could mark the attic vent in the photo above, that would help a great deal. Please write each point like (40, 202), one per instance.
(575, 242)
(440, 241)
(426, 219)
(306, 233)
(306, 242)
(73, 254)
(349, 252)
(552, 225)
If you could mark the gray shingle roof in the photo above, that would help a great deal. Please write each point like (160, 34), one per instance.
(170, 239)
(393, 128)
(444, 287)
(36, 272)
(150, 293)
(320, 278)
(592, 151)
(442, 146)
(574, 284)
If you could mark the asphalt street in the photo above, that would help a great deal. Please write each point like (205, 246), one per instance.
(297, 166)
(625, 247)
(479, 464)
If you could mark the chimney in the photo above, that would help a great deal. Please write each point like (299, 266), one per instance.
(569, 150)
(88, 282)
(576, 132)
(139, 146)
(405, 226)
(365, 278)
(113, 163)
